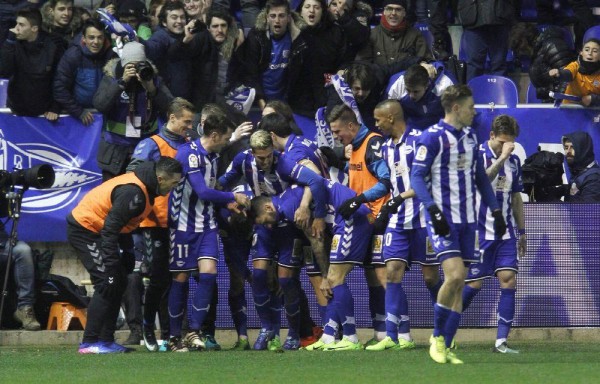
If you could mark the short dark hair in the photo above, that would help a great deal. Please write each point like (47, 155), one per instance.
(219, 13)
(342, 112)
(392, 104)
(416, 76)
(505, 125)
(455, 94)
(178, 105)
(276, 123)
(217, 123)
(168, 165)
(33, 16)
(257, 206)
(92, 23)
(277, 3)
(54, 3)
(171, 5)
(362, 73)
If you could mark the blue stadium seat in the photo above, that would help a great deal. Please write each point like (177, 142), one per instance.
(532, 95)
(424, 28)
(3, 92)
(593, 32)
(494, 89)
(528, 10)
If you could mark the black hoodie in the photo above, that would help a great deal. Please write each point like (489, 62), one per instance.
(585, 172)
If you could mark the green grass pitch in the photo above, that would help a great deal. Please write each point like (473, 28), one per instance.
(538, 362)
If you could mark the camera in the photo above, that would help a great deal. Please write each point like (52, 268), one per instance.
(40, 177)
(145, 70)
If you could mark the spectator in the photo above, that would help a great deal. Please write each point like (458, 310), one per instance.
(583, 74)
(29, 59)
(60, 21)
(249, 10)
(8, 18)
(23, 271)
(354, 18)
(197, 9)
(438, 25)
(154, 11)
(394, 39)
(283, 108)
(486, 27)
(134, 13)
(584, 185)
(131, 96)
(80, 70)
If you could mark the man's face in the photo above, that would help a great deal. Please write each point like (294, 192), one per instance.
(383, 120)
(62, 13)
(24, 31)
(311, 12)
(416, 92)
(154, 17)
(497, 141)
(360, 93)
(343, 132)
(394, 14)
(178, 125)
(218, 29)
(278, 19)
(591, 52)
(166, 183)
(220, 141)
(175, 21)
(268, 217)
(192, 7)
(94, 39)
(569, 152)
(131, 20)
(264, 158)
(337, 8)
(465, 112)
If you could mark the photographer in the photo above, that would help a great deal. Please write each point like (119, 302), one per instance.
(131, 96)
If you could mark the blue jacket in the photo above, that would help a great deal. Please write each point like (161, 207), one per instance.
(78, 76)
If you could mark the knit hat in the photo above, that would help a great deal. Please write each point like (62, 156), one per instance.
(132, 8)
(401, 3)
(132, 52)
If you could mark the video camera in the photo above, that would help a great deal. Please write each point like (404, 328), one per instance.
(40, 177)
(541, 171)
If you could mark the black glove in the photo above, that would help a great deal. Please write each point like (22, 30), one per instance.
(499, 223)
(351, 205)
(383, 217)
(440, 225)
(332, 159)
(112, 286)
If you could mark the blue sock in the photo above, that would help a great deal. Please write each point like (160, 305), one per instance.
(202, 299)
(506, 311)
(433, 291)
(344, 306)
(323, 315)
(177, 300)
(451, 327)
(468, 295)
(275, 309)
(377, 307)
(392, 307)
(332, 323)
(262, 298)
(292, 305)
(404, 326)
(238, 307)
(440, 315)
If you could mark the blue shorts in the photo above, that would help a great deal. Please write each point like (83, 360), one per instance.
(496, 255)
(189, 247)
(283, 244)
(408, 245)
(460, 242)
(351, 241)
(310, 262)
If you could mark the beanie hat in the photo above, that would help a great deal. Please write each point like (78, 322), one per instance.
(401, 3)
(132, 8)
(132, 51)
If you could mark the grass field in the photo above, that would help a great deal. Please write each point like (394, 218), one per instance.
(540, 362)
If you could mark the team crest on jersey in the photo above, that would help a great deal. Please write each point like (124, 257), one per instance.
(421, 153)
(193, 161)
(377, 244)
(461, 162)
(335, 242)
(502, 184)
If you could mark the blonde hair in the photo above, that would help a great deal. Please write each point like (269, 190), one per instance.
(261, 139)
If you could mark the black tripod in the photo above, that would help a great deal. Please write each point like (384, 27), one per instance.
(14, 199)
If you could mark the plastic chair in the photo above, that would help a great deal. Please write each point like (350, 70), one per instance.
(3, 92)
(62, 314)
(532, 95)
(494, 89)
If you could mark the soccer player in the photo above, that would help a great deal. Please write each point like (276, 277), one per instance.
(499, 256)
(349, 246)
(154, 231)
(446, 165)
(268, 173)
(369, 177)
(194, 241)
(116, 206)
(404, 240)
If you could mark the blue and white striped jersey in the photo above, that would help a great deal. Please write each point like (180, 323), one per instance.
(298, 148)
(399, 158)
(507, 182)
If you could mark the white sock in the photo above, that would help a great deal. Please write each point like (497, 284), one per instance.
(327, 339)
(405, 336)
(499, 342)
(352, 338)
(379, 335)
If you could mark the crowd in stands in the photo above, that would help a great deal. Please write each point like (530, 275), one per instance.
(335, 61)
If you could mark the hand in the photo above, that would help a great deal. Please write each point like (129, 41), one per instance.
(302, 217)
(111, 9)
(189, 31)
(326, 288)
(554, 73)
(87, 117)
(348, 151)
(129, 73)
(352, 205)
(261, 104)
(243, 130)
(236, 208)
(586, 100)
(438, 220)
(111, 287)
(431, 71)
(318, 228)
(507, 148)
(242, 200)
(332, 159)
(499, 223)
(381, 222)
(51, 116)
(522, 245)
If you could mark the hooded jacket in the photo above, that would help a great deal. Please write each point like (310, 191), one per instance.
(585, 172)
(62, 36)
(355, 25)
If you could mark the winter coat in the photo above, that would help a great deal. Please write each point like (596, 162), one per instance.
(62, 37)
(475, 14)
(355, 25)
(585, 172)
(387, 47)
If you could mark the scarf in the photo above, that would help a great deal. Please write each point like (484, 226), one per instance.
(588, 67)
(402, 27)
